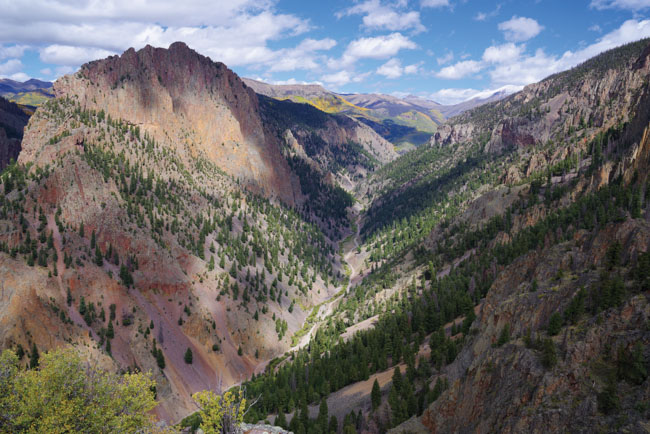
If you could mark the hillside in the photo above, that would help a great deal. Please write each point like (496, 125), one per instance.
(134, 230)
(31, 93)
(495, 279)
(406, 122)
(503, 273)
(12, 122)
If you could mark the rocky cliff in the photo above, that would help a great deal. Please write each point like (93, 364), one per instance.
(597, 94)
(12, 123)
(185, 101)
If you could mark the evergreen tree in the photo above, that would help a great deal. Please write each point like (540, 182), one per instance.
(188, 356)
(375, 395)
(34, 357)
(281, 420)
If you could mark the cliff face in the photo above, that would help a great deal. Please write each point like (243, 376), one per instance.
(592, 96)
(185, 101)
(507, 388)
(12, 123)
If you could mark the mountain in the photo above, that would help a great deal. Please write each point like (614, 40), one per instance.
(164, 217)
(160, 205)
(399, 122)
(31, 93)
(500, 283)
(12, 122)
(406, 122)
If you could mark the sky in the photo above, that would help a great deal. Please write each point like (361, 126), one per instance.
(445, 50)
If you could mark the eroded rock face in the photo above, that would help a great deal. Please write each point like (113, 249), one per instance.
(12, 123)
(184, 100)
(507, 389)
(544, 110)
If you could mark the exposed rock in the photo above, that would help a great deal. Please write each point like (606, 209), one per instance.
(537, 163)
(12, 122)
(183, 100)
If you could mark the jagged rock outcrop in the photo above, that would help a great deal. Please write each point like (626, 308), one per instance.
(184, 100)
(507, 388)
(591, 96)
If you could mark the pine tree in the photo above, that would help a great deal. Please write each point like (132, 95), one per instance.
(375, 395)
(33, 357)
(110, 332)
(188, 356)
(281, 420)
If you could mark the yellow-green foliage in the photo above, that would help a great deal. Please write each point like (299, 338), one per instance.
(219, 411)
(67, 395)
(417, 120)
(35, 99)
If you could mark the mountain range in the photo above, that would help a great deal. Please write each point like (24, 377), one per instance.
(165, 215)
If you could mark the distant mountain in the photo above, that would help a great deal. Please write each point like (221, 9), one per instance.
(30, 93)
(406, 122)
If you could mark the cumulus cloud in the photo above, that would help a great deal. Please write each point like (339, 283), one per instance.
(342, 78)
(502, 53)
(9, 67)
(394, 69)
(448, 57)
(68, 55)
(633, 5)
(12, 51)
(518, 29)
(304, 56)
(236, 32)
(384, 16)
(460, 70)
(378, 47)
(454, 95)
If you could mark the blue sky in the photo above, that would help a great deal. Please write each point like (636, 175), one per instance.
(447, 50)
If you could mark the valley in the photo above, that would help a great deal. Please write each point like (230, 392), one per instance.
(164, 215)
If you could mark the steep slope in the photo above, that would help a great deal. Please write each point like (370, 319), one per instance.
(182, 98)
(155, 209)
(503, 280)
(12, 122)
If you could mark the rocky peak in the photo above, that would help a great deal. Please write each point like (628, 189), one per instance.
(185, 100)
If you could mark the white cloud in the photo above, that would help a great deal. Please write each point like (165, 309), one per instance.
(482, 16)
(304, 56)
(343, 77)
(236, 32)
(12, 51)
(532, 68)
(448, 57)
(502, 53)
(11, 66)
(412, 69)
(394, 69)
(378, 47)
(68, 55)
(595, 28)
(434, 3)
(518, 29)
(293, 81)
(19, 76)
(460, 70)
(381, 16)
(455, 96)
(633, 5)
